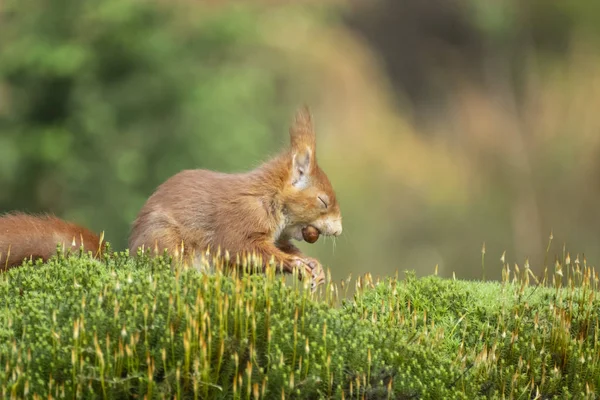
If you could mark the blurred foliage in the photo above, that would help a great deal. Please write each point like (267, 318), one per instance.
(483, 129)
(427, 48)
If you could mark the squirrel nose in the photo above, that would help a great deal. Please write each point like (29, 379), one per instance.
(338, 231)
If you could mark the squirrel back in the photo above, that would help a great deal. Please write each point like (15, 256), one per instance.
(24, 236)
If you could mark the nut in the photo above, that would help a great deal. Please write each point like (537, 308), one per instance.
(310, 234)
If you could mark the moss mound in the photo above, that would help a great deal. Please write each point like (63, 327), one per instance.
(132, 327)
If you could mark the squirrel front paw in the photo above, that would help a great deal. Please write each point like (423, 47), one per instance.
(313, 268)
(318, 274)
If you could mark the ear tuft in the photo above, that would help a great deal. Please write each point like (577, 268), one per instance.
(303, 117)
(302, 132)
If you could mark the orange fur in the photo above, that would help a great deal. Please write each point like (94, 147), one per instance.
(25, 236)
(254, 212)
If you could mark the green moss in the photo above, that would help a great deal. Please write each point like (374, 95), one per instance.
(122, 327)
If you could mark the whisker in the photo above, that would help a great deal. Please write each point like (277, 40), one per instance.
(345, 235)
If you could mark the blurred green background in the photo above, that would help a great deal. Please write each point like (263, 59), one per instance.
(442, 124)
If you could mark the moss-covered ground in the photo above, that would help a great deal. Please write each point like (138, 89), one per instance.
(135, 327)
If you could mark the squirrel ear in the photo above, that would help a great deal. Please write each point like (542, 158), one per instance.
(302, 134)
(301, 166)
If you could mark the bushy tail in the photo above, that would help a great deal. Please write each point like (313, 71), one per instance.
(24, 236)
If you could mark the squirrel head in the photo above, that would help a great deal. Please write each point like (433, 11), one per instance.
(308, 197)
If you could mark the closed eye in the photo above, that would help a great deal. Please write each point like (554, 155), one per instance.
(323, 201)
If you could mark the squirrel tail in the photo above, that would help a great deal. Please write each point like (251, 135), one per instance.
(24, 236)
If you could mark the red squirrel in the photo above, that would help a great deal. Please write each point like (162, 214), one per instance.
(256, 212)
